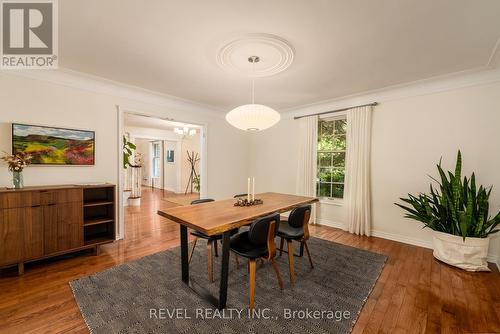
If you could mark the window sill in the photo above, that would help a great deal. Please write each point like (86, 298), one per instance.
(331, 202)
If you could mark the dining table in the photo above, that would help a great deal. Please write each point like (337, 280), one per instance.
(221, 217)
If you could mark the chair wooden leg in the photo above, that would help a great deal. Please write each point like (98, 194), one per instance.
(308, 254)
(252, 268)
(290, 261)
(20, 268)
(282, 243)
(277, 271)
(192, 249)
(210, 262)
(216, 251)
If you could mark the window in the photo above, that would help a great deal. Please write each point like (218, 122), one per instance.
(331, 157)
(156, 159)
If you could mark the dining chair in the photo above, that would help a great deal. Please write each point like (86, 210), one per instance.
(258, 242)
(211, 242)
(296, 227)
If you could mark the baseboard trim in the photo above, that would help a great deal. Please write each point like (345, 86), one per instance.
(401, 238)
(330, 223)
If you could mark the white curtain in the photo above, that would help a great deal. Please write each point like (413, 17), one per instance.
(306, 171)
(358, 189)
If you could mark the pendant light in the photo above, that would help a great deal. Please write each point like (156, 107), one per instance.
(253, 117)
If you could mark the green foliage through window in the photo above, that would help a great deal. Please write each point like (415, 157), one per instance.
(331, 158)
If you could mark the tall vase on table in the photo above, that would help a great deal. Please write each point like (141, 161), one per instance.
(16, 163)
(135, 195)
(17, 180)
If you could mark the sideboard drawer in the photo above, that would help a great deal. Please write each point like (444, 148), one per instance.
(70, 195)
(19, 199)
(57, 196)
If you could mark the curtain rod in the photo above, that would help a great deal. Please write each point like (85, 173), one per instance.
(373, 104)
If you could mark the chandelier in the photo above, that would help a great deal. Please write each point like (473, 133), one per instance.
(185, 131)
(253, 117)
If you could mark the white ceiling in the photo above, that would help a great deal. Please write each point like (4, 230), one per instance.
(341, 47)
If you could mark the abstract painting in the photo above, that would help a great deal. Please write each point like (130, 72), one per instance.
(54, 146)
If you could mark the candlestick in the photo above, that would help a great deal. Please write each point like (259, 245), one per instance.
(253, 188)
(248, 189)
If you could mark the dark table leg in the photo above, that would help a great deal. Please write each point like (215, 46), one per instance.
(224, 270)
(184, 254)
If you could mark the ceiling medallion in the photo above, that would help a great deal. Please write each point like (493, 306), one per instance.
(275, 53)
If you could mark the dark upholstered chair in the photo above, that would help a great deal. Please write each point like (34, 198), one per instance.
(211, 242)
(296, 227)
(258, 242)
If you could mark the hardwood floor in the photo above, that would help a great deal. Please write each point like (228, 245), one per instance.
(414, 293)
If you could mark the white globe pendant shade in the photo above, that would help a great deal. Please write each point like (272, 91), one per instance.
(253, 117)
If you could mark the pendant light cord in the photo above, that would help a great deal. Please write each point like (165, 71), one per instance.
(253, 82)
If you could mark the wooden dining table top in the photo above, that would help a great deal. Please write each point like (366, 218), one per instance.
(220, 216)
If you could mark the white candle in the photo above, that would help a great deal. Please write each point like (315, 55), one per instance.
(248, 190)
(253, 189)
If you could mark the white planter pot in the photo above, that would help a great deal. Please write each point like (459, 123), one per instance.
(469, 254)
(126, 195)
(134, 201)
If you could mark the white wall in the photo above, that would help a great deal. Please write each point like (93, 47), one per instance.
(410, 134)
(74, 101)
(172, 170)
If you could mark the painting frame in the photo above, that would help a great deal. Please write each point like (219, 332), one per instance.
(170, 156)
(90, 133)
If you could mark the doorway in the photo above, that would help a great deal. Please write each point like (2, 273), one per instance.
(160, 171)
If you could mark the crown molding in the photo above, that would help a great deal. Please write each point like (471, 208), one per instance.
(87, 82)
(494, 60)
(83, 81)
(485, 75)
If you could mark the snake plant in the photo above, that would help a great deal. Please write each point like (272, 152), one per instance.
(455, 206)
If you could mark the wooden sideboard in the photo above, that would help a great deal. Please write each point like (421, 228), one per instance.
(42, 222)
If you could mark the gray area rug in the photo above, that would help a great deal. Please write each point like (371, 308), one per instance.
(147, 295)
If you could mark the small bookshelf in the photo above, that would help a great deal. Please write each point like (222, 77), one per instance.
(99, 214)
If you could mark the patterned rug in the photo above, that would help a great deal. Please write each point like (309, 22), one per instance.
(147, 295)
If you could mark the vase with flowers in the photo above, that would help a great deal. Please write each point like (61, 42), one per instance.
(136, 167)
(16, 163)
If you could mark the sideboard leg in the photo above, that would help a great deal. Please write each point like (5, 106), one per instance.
(20, 268)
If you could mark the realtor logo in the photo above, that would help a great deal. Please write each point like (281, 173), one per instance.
(29, 34)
